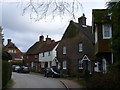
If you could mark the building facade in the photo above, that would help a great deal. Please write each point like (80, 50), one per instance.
(47, 55)
(75, 52)
(102, 29)
(12, 49)
(41, 55)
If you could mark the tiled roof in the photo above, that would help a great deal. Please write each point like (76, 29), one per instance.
(10, 45)
(34, 49)
(48, 47)
(76, 28)
(39, 47)
(86, 30)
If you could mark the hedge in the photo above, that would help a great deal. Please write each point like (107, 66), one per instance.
(111, 80)
(6, 73)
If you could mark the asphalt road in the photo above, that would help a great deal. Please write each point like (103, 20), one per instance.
(34, 81)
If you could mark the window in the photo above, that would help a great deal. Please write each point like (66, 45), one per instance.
(107, 34)
(64, 64)
(49, 53)
(43, 54)
(10, 51)
(15, 51)
(96, 35)
(36, 56)
(80, 47)
(64, 50)
(80, 64)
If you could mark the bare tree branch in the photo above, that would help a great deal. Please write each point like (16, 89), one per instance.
(41, 9)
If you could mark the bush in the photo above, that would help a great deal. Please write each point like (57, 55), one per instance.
(109, 80)
(6, 56)
(6, 73)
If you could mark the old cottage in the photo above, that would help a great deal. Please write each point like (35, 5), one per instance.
(75, 52)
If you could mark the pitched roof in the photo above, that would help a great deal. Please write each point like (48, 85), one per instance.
(34, 49)
(10, 45)
(75, 28)
(48, 47)
(40, 47)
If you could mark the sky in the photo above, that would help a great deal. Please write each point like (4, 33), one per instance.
(24, 32)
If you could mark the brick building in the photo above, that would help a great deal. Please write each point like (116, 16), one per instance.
(12, 49)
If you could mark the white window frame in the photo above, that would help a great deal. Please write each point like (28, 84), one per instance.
(110, 31)
(96, 34)
(65, 64)
(80, 64)
(80, 47)
(10, 51)
(64, 50)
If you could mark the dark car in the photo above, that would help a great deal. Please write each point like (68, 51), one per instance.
(51, 72)
(23, 69)
(15, 68)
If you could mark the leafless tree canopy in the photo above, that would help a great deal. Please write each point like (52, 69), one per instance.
(39, 9)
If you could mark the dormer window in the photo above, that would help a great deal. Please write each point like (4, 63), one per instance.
(107, 33)
(64, 50)
(80, 47)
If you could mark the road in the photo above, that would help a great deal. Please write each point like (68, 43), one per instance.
(34, 81)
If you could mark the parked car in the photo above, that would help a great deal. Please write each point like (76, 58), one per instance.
(15, 68)
(23, 69)
(51, 72)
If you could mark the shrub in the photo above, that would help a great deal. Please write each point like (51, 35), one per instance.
(6, 73)
(6, 56)
(109, 80)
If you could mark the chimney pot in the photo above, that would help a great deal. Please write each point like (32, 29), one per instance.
(41, 38)
(9, 40)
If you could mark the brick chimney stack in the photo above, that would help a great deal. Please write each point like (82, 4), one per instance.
(9, 40)
(41, 38)
(48, 40)
(82, 20)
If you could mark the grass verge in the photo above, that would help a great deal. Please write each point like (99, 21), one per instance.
(9, 84)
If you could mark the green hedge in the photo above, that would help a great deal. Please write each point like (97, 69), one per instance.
(6, 73)
(109, 80)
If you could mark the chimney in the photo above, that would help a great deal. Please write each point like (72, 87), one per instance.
(9, 40)
(82, 20)
(48, 40)
(41, 38)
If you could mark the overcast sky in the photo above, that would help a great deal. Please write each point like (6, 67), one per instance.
(24, 32)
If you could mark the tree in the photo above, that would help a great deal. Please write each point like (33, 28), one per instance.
(40, 9)
(114, 9)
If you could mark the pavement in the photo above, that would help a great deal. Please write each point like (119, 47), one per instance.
(70, 84)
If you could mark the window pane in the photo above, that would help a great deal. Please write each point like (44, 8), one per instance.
(64, 64)
(80, 47)
(106, 31)
(64, 50)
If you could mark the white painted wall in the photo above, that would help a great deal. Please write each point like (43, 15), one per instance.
(48, 58)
